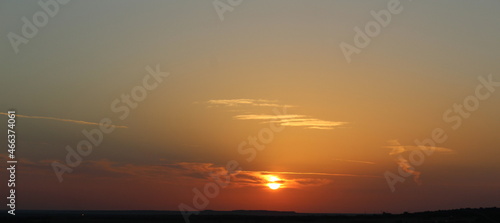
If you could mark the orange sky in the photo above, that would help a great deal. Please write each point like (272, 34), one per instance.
(181, 92)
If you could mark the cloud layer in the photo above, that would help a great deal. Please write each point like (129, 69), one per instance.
(184, 173)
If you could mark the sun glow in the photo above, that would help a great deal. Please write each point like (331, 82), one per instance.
(274, 186)
(273, 178)
(273, 182)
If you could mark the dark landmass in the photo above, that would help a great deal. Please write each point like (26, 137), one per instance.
(465, 215)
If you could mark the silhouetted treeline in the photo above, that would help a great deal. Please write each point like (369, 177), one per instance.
(465, 215)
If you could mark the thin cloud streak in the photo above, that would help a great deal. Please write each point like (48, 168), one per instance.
(63, 120)
(401, 149)
(355, 161)
(267, 117)
(310, 123)
(294, 121)
(397, 148)
(246, 102)
(317, 174)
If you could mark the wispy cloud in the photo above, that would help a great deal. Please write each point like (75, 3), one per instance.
(313, 173)
(63, 120)
(406, 167)
(355, 161)
(291, 179)
(311, 123)
(287, 180)
(397, 148)
(293, 120)
(266, 117)
(246, 102)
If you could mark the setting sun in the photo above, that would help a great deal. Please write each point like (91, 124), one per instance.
(274, 182)
(274, 186)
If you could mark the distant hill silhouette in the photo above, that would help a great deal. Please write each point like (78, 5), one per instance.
(465, 215)
(249, 212)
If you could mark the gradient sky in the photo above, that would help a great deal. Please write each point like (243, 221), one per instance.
(347, 123)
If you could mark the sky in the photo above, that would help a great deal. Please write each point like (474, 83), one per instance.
(342, 106)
